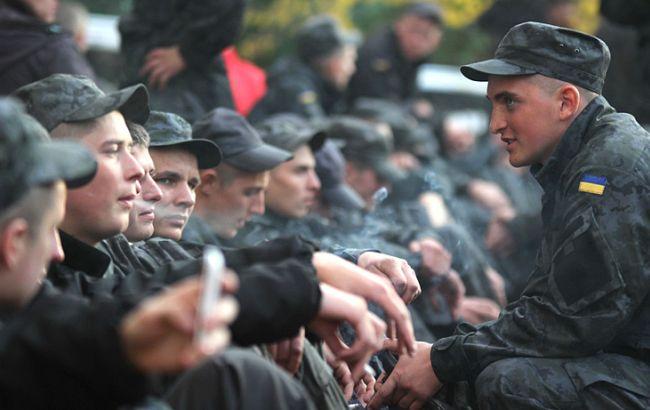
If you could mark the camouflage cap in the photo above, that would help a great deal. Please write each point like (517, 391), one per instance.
(170, 130)
(365, 145)
(63, 98)
(240, 143)
(289, 131)
(28, 158)
(555, 52)
(321, 36)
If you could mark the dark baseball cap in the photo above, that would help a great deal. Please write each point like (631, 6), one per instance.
(30, 159)
(408, 134)
(63, 98)
(365, 145)
(168, 130)
(330, 167)
(425, 10)
(289, 131)
(240, 143)
(321, 36)
(555, 52)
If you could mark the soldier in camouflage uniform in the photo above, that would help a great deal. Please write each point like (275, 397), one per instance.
(578, 337)
(174, 46)
(389, 59)
(234, 191)
(312, 84)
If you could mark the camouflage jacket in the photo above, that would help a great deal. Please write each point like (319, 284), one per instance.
(295, 87)
(589, 289)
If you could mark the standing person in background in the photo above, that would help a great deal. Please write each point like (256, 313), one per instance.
(33, 47)
(174, 46)
(313, 84)
(389, 60)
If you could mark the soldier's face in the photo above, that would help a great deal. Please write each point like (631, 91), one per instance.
(142, 215)
(342, 66)
(418, 37)
(525, 117)
(234, 202)
(177, 175)
(101, 208)
(294, 185)
(30, 254)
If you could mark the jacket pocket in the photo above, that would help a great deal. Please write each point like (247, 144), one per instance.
(583, 269)
(612, 372)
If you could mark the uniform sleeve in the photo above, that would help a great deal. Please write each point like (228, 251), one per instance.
(63, 352)
(275, 301)
(212, 25)
(597, 278)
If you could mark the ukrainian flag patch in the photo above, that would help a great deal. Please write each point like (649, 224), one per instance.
(592, 184)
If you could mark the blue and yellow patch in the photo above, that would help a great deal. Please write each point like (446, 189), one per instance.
(592, 184)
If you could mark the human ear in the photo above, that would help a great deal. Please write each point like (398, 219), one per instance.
(569, 101)
(13, 242)
(209, 181)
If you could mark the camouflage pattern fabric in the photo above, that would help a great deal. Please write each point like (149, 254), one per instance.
(588, 292)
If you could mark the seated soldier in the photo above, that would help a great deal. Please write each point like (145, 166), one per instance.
(56, 350)
(142, 215)
(230, 194)
(578, 336)
(92, 117)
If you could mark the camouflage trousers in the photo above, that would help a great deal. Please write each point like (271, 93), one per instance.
(602, 381)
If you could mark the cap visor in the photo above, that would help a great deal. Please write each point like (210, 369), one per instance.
(132, 102)
(483, 69)
(262, 158)
(389, 172)
(208, 154)
(342, 196)
(63, 160)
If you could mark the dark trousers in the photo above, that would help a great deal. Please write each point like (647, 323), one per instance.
(602, 381)
(237, 379)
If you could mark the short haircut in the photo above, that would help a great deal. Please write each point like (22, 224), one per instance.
(31, 207)
(139, 134)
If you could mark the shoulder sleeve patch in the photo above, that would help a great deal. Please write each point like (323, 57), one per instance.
(592, 184)
(307, 97)
(381, 65)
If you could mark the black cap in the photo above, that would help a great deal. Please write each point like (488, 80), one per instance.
(240, 143)
(425, 10)
(330, 167)
(555, 52)
(408, 134)
(63, 98)
(170, 130)
(289, 131)
(321, 36)
(366, 146)
(28, 157)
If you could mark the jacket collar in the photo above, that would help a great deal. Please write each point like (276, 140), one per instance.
(570, 144)
(83, 257)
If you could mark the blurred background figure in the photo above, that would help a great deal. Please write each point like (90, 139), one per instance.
(174, 47)
(312, 82)
(33, 47)
(390, 58)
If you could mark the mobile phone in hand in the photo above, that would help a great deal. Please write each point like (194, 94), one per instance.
(212, 273)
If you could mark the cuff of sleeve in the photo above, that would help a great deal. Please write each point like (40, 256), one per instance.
(194, 59)
(351, 254)
(448, 360)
